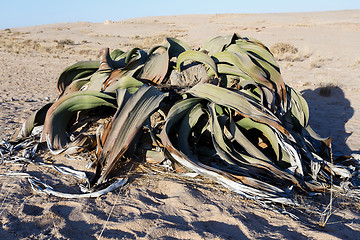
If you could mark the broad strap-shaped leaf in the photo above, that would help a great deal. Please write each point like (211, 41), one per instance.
(264, 61)
(176, 47)
(298, 107)
(244, 106)
(154, 48)
(226, 69)
(126, 124)
(256, 41)
(244, 64)
(250, 133)
(259, 51)
(179, 110)
(176, 113)
(275, 77)
(196, 56)
(135, 54)
(219, 43)
(35, 119)
(76, 71)
(60, 113)
(247, 124)
(76, 85)
(116, 59)
(217, 133)
(125, 82)
(188, 122)
(134, 61)
(156, 68)
(97, 80)
(248, 146)
(238, 57)
(116, 54)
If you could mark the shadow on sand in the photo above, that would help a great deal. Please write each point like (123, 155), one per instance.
(329, 112)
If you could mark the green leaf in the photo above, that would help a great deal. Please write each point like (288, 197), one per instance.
(176, 47)
(60, 113)
(132, 55)
(219, 43)
(255, 41)
(76, 85)
(97, 79)
(134, 58)
(217, 131)
(118, 61)
(188, 122)
(249, 147)
(238, 57)
(196, 56)
(178, 110)
(240, 103)
(125, 82)
(258, 51)
(176, 113)
(192, 163)
(298, 106)
(122, 60)
(35, 119)
(274, 76)
(76, 71)
(125, 125)
(116, 54)
(153, 49)
(156, 68)
(268, 132)
(227, 69)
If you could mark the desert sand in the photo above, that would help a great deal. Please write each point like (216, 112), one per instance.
(156, 204)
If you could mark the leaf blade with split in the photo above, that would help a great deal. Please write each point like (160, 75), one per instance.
(238, 102)
(126, 124)
(156, 68)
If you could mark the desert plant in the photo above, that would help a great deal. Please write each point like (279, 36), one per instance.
(287, 52)
(282, 48)
(66, 42)
(326, 89)
(223, 111)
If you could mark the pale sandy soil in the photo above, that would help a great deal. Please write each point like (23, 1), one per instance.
(165, 206)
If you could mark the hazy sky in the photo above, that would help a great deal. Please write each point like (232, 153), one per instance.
(22, 13)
